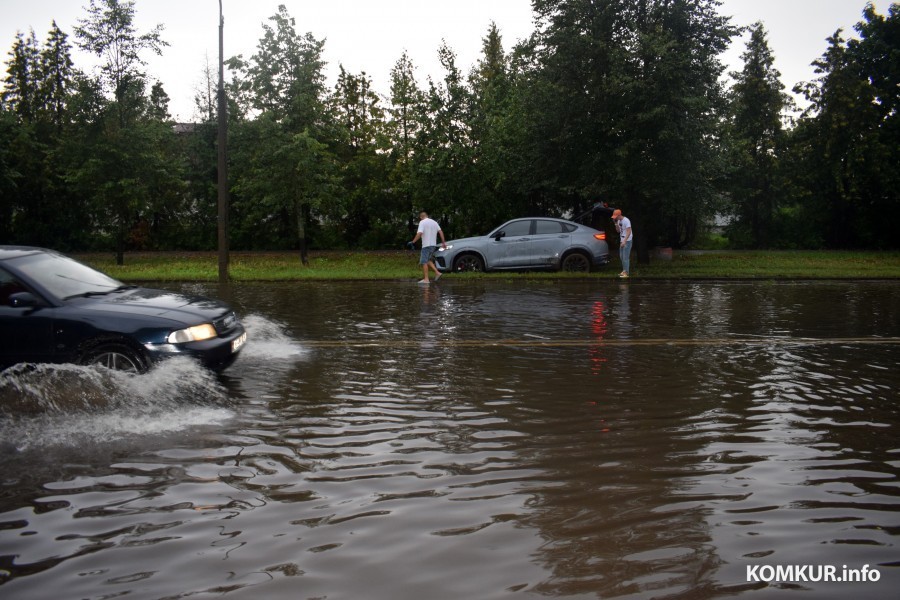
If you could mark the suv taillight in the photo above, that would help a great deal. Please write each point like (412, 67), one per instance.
(600, 236)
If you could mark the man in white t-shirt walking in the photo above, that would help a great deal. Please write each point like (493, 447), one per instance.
(428, 232)
(626, 237)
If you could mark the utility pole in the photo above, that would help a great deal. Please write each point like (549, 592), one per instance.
(223, 164)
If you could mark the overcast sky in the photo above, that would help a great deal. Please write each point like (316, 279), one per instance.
(370, 35)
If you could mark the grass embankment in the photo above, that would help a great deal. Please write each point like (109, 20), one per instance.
(390, 265)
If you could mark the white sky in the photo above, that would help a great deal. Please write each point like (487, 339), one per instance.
(370, 35)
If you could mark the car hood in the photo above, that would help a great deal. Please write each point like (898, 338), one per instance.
(159, 303)
(468, 241)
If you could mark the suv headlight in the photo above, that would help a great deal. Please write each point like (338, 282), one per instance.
(192, 334)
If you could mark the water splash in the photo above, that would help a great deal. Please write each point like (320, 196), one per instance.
(268, 340)
(73, 405)
(70, 404)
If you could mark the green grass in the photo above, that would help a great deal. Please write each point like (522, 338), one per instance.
(777, 265)
(392, 265)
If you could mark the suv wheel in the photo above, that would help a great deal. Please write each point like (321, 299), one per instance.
(576, 262)
(468, 262)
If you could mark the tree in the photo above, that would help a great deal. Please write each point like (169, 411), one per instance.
(757, 101)
(286, 75)
(848, 140)
(57, 77)
(628, 100)
(38, 207)
(442, 173)
(496, 131)
(108, 32)
(280, 178)
(205, 93)
(8, 174)
(574, 65)
(674, 100)
(158, 108)
(125, 169)
(406, 116)
(284, 84)
(21, 93)
(370, 215)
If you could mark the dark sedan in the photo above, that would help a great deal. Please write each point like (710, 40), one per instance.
(531, 243)
(54, 309)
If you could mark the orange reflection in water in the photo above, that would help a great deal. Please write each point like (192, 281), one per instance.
(599, 328)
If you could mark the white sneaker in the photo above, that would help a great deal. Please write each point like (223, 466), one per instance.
(423, 281)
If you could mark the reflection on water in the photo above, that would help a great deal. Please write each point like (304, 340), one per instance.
(472, 439)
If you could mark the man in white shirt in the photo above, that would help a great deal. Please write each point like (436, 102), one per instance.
(626, 237)
(428, 232)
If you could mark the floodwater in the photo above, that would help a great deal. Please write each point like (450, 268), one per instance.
(475, 439)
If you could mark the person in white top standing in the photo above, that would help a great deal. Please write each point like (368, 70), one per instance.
(428, 232)
(626, 237)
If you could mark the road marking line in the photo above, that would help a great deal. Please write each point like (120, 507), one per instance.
(548, 343)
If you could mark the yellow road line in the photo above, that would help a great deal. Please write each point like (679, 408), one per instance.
(550, 343)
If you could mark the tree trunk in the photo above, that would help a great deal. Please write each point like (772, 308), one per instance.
(639, 228)
(643, 249)
(120, 250)
(301, 210)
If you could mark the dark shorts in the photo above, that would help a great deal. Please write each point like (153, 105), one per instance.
(427, 254)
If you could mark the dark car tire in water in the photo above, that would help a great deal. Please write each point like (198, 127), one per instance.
(576, 262)
(116, 356)
(468, 262)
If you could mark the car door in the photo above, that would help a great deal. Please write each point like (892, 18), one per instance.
(549, 241)
(509, 248)
(26, 331)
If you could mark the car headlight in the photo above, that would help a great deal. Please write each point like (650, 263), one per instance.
(192, 334)
(447, 248)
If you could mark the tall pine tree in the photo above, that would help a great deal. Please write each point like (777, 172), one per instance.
(755, 140)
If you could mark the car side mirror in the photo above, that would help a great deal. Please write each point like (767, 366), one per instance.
(499, 235)
(23, 300)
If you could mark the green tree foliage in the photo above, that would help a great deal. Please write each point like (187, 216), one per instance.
(615, 100)
(443, 174)
(755, 141)
(371, 208)
(109, 33)
(288, 170)
(57, 78)
(627, 105)
(8, 175)
(405, 117)
(497, 138)
(282, 178)
(37, 205)
(21, 90)
(126, 169)
(846, 148)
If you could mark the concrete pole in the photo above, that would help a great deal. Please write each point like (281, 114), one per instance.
(222, 164)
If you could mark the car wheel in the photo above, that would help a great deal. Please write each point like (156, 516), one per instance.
(468, 262)
(576, 262)
(116, 356)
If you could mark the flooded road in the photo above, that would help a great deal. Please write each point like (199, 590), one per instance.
(475, 439)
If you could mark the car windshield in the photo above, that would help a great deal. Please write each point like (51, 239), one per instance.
(64, 277)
